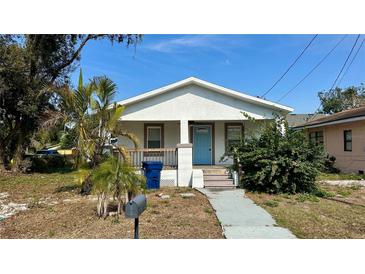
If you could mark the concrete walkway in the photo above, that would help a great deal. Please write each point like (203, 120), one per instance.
(241, 218)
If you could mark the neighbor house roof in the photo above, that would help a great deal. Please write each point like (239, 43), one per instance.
(208, 85)
(351, 115)
(298, 119)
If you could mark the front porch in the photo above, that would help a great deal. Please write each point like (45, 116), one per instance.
(158, 140)
(192, 152)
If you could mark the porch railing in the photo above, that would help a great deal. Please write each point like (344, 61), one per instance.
(168, 156)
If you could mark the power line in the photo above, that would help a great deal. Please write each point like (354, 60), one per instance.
(313, 69)
(295, 61)
(348, 57)
(353, 59)
(353, 46)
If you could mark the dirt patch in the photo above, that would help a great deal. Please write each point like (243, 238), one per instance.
(312, 217)
(65, 214)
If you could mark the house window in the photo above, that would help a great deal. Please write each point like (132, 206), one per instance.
(316, 137)
(234, 134)
(347, 140)
(154, 137)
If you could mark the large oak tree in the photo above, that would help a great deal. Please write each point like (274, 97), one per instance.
(32, 67)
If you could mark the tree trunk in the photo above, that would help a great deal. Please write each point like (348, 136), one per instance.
(120, 202)
(98, 206)
(102, 205)
(3, 160)
(105, 206)
(17, 158)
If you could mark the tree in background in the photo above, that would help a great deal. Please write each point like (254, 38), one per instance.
(68, 139)
(32, 68)
(341, 99)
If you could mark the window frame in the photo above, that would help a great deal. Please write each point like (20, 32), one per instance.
(316, 137)
(345, 141)
(226, 126)
(148, 126)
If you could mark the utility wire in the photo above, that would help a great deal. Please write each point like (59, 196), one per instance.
(353, 59)
(348, 57)
(316, 112)
(295, 61)
(313, 69)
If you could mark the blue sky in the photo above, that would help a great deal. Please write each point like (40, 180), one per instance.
(246, 63)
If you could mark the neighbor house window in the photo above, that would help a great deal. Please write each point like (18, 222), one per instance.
(234, 135)
(316, 137)
(347, 138)
(153, 136)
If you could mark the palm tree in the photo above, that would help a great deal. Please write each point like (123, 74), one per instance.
(116, 177)
(75, 107)
(90, 111)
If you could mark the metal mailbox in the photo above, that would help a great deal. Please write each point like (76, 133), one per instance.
(135, 207)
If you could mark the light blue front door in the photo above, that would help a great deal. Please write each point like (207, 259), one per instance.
(202, 145)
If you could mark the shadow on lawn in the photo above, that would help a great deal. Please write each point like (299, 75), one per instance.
(68, 188)
(62, 170)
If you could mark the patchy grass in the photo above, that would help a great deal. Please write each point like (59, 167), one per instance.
(339, 214)
(271, 203)
(339, 176)
(73, 216)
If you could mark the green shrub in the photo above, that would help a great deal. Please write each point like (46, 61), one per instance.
(329, 165)
(278, 163)
(48, 163)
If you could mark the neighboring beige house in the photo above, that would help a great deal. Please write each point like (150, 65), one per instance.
(343, 136)
(295, 119)
(188, 125)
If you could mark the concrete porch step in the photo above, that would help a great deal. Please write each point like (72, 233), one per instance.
(221, 171)
(215, 177)
(219, 183)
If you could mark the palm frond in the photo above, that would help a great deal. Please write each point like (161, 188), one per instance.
(80, 85)
(130, 136)
(123, 151)
(115, 115)
(105, 89)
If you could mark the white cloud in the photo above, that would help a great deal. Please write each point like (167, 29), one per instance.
(221, 43)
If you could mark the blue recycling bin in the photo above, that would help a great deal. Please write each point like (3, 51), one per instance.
(152, 171)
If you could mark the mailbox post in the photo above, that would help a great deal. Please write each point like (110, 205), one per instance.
(133, 209)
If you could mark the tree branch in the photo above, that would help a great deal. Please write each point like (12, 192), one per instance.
(74, 56)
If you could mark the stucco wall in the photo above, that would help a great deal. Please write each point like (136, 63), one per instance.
(346, 161)
(172, 135)
(193, 103)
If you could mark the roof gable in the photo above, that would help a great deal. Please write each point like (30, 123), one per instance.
(207, 85)
(194, 102)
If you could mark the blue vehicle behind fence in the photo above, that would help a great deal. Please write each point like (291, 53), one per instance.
(152, 171)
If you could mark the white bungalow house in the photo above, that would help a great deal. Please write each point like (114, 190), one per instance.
(188, 125)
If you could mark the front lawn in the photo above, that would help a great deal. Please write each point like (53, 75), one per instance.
(339, 176)
(308, 216)
(56, 210)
